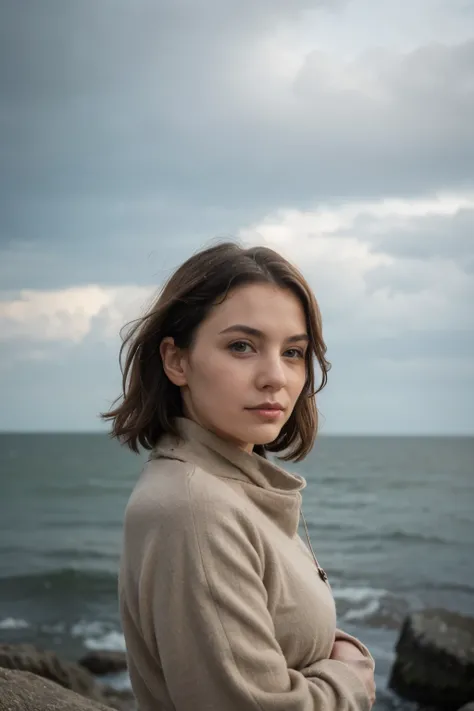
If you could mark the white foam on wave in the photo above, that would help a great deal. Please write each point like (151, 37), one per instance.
(10, 623)
(359, 603)
(99, 635)
(112, 641)
(86, 629)
(352, 594)
(371, 608)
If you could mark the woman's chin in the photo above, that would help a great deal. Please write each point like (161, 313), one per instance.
(257, 434)
(265, 433)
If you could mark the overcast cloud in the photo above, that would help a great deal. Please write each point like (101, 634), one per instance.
(338, 132)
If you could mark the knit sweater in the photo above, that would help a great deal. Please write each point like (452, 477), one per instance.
(222, 606)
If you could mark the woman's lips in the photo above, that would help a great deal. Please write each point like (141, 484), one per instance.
(267, 413)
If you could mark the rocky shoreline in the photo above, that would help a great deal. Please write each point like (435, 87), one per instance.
(32, 679)
(434, 663)
(434, 667)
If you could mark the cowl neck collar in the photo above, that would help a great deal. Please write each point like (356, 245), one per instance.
(205, 448)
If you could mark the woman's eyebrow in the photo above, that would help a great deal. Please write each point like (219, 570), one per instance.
(241, 328)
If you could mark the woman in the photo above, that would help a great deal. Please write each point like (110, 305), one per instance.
(222, 605)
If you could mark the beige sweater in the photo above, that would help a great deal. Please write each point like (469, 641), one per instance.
(222, 605)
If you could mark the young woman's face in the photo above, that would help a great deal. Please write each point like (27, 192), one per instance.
(247, 367)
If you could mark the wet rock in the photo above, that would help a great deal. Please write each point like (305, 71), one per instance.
(47, 664)
(24, 691)
(434, 665)
(102, 662)
(468, 707)
(28, 659)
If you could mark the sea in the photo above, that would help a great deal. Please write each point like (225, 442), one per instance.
(391, 519)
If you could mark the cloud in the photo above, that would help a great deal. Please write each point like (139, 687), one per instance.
(427, 237)
(133, 133)
(374, 266)
(375, 293)
(70, 314)
(380, 301)
(222, 108)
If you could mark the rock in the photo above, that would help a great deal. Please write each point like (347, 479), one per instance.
(47, 664)
(24, 691)
(122, 700)
(468, 707)
(101, 662)
(435, 660)
(30, 660)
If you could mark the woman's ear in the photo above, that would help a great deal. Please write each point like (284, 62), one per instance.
(174, 361)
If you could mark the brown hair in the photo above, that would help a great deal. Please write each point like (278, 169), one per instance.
(150, 403)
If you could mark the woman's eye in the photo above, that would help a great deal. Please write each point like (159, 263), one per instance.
(244, 347)
(239, 346)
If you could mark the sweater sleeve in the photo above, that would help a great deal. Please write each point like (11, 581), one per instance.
(214, 633)
(342, 636)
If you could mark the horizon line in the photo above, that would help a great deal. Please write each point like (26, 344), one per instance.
(320, 434)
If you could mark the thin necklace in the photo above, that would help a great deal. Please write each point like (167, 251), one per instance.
(322, 573)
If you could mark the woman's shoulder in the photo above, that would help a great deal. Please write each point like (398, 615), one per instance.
(178, 488)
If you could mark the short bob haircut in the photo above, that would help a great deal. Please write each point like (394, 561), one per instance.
(149, 403)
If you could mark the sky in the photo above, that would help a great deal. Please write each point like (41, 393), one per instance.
(338, 132)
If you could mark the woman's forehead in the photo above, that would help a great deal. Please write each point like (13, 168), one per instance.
(262, 307)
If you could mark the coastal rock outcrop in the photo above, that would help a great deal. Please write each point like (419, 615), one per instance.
(47, 665)
(101, 662)
(24, 691)
(434, 665)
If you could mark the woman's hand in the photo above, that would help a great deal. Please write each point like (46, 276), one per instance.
(348, 653)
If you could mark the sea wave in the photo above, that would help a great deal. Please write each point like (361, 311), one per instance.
(97, 634)
(451, 587)
(93, 634)
(60, 580)
(400, 536)
(358, 594)
(80, 523)
(10, 623)
(102, 635)
(373, 607)
(350, 530)
(363, 613)
(413, 537)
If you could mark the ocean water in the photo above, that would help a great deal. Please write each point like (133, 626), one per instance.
(391, 520)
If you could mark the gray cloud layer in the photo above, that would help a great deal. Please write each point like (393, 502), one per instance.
(424, 238)
(136, 128)
(131, 133)
(113, 100)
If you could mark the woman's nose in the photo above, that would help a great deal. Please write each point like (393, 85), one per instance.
(272, 373)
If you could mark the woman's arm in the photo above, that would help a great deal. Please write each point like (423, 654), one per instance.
(213, 630)
(342, 636)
